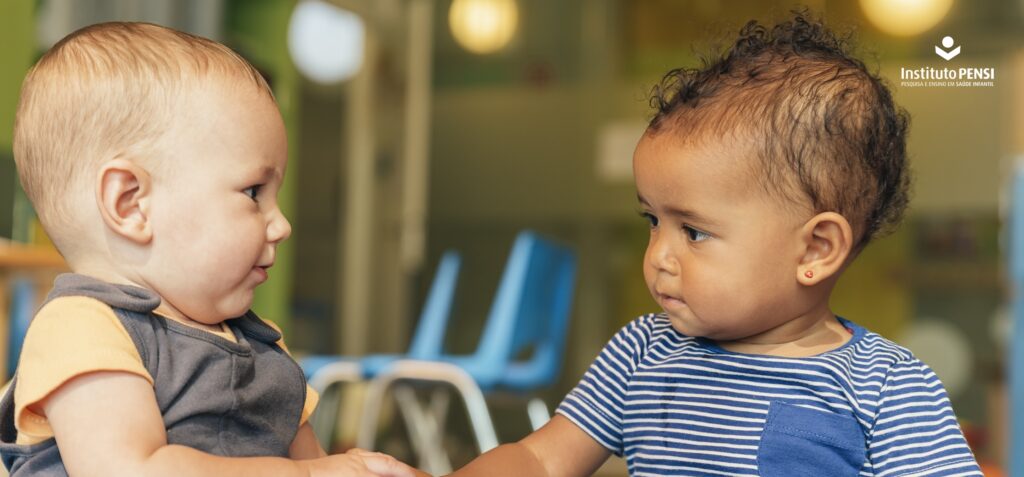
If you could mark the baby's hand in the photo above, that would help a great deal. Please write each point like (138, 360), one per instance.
(358, 463)
(385, 465)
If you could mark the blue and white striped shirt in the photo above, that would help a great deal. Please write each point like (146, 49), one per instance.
(678, 405)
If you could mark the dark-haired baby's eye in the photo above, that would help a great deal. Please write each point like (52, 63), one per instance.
(652, 221)
(695, 235)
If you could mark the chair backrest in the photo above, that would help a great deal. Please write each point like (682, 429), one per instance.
(428, 339)
(531, 308)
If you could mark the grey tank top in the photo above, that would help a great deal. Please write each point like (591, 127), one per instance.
(226, 398)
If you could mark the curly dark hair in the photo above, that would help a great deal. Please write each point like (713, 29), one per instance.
(823, 126)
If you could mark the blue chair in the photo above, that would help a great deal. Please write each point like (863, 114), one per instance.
(323, 371)
(530, 311)
(23, 304)
(22, 308)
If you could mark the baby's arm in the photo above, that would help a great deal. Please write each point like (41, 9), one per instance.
(559, 449)
(108, 424)
(915, 431)
(305, 445)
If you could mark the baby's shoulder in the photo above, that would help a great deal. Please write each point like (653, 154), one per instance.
(74, 321)
(69, 310)
(878, 349)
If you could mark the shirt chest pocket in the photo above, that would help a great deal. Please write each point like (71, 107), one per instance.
(799, 441)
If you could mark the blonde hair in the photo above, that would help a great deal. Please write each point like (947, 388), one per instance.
(104, 91)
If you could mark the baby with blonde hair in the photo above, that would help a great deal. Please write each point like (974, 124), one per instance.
(154, 159)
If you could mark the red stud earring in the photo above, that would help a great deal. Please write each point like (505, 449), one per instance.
(809, 274)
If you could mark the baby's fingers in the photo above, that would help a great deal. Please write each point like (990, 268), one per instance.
(383, 464)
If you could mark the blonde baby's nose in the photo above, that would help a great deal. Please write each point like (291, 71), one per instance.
(279, 229)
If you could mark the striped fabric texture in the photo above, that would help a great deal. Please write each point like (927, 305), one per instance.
(677, 405)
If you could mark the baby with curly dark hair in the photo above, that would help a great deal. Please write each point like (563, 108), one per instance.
(761, 176)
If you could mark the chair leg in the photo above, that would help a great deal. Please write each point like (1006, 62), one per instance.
(440, 399)
(372, 405)
(479, 416)
(425, 432)
(325, 419)
(472, 396)
(538, 412)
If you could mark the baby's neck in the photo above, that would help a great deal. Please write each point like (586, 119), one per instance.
(102, 271)
(120, 277)
(819, 336)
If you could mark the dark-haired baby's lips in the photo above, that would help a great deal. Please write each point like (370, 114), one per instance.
(666, 295)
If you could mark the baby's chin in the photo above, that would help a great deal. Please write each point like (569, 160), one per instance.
(694, 330)
(236, 305)
(685, 327)
(224, 311)
(234, 312)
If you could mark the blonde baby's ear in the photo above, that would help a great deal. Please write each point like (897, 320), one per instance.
(123, 195)
(828, 241)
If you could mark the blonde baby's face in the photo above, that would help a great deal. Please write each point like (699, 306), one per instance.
(214, 212)
(723, 253)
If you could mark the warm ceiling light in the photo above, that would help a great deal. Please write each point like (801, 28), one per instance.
(905, 17)
(326, 43)
(483, 26)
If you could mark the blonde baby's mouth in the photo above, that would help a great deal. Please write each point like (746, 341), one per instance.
(261, 273)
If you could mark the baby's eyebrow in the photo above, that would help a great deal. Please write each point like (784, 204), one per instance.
(269, 172)
(690, 216)
(684, 214)
(643, 201)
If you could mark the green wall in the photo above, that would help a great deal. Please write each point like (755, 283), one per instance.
(17, 35)
(258, 29)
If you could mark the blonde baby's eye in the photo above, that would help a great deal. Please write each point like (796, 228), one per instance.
(696, 235)
(253, 191)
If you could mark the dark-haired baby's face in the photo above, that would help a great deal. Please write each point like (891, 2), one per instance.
(723, 253)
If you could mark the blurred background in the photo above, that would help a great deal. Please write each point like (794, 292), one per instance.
(418, 126)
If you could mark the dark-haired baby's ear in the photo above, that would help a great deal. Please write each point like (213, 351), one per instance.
(123, 194)
(828, 242)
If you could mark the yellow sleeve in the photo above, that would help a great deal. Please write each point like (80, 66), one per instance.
(312, 398)
(68, 337)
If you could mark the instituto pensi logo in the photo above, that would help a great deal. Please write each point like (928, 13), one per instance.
(944, 50)
(966, 76)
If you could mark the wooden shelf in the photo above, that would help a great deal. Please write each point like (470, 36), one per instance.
(15, 256)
